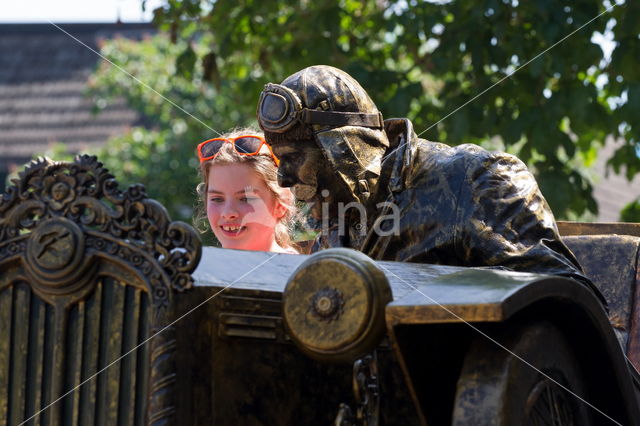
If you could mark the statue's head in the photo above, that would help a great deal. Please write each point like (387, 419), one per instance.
(327, 133)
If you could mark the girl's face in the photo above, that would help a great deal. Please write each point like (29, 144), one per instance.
(242, 212)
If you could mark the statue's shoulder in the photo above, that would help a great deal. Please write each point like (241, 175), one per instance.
(434, 164)
(430, 155)
(459, 164)
(467, 156)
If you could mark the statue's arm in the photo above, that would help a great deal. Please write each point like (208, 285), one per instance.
(505, 221)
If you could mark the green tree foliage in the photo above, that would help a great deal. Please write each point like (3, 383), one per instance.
(419, 59)
(631, 212)
(179, 111)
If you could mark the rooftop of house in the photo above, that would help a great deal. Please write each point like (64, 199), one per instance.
(612, 191)
(43, 78)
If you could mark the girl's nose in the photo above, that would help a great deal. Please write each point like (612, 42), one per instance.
(229, 211)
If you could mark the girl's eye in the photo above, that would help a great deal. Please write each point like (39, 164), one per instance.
(249, 199)
(216, 200)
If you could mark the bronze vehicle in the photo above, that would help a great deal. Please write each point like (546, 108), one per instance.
(110, 313)
(454, 346)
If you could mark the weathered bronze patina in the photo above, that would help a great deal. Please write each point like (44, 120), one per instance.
(613, 263)
(257, 375)
(87, 272)
(424, 201)
(496, 384)
(456, 205)
(598, 228)
(333, 306)
(433, 368)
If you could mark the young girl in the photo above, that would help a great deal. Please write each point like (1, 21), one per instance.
(244, 204)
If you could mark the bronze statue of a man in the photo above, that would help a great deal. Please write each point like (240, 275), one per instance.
(458, 205)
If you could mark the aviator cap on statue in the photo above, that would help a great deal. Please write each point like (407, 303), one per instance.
(320, 96)
(327, 105)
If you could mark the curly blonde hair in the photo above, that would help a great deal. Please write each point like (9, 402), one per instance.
(264, 165)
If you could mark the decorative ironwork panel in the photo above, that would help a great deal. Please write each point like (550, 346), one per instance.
(87, 273)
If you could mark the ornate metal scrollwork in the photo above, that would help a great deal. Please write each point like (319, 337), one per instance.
(61, 220)
(55, 196)
(54, 256)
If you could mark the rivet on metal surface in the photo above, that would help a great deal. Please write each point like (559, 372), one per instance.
(327, 304)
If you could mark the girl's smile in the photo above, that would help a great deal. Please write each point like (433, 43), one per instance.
(243, 212)
(232, 231)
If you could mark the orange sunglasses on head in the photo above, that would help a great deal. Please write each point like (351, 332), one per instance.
(244, 145)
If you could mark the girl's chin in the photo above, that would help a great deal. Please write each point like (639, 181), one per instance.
(244, 244)
(239, 240)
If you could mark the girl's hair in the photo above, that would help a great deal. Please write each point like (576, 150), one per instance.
(263, 164)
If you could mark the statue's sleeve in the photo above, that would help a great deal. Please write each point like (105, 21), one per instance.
(503, 220)
(330, 238)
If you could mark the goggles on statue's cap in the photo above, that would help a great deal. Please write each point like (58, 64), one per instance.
(279, 108)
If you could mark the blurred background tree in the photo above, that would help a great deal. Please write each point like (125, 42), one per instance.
(417, 59)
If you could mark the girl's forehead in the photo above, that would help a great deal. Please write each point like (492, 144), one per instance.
(235, 178)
